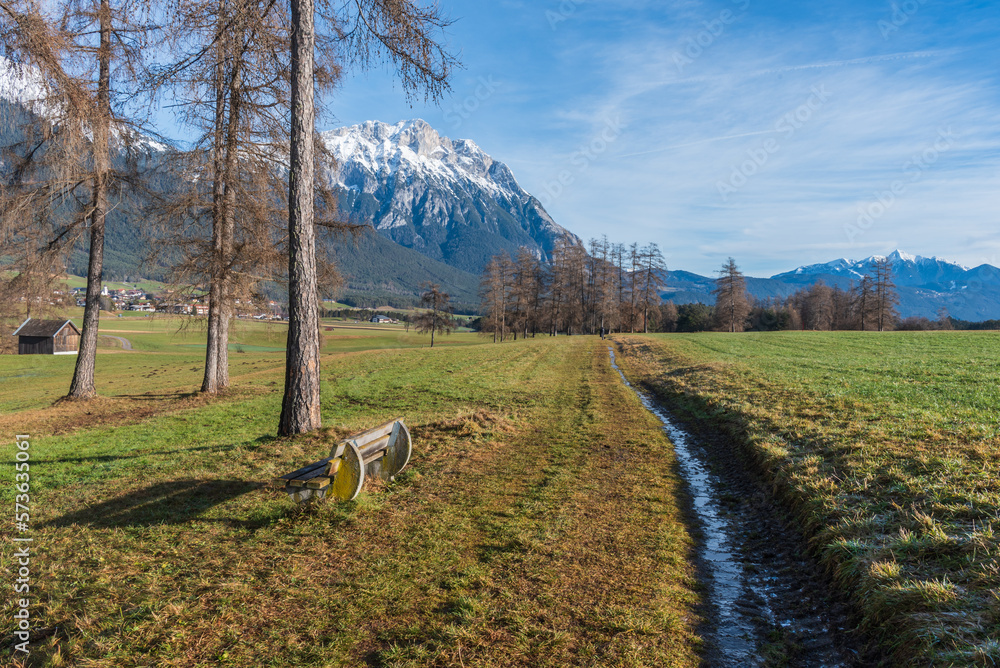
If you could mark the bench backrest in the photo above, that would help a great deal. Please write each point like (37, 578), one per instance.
(385, 449)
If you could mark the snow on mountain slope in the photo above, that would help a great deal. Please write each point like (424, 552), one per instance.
(22, 86)
(378, 148)
(446, 198)
(925, 285)
(908, 270)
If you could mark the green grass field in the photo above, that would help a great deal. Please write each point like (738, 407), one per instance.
(888, 448)
(146, 285)
(537, 525)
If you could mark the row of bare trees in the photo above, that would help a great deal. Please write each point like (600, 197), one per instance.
(243, 75)
(869, 304)
(610, 288)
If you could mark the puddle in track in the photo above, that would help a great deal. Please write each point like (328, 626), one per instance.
(770, 606)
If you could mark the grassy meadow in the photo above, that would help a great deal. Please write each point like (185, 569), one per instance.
(887, 446)
(538, 523)
(147, 285)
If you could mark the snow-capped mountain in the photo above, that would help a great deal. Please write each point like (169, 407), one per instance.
(22, 91)
(446, 198)
(908, 270)
(19, 84)
(924, 284)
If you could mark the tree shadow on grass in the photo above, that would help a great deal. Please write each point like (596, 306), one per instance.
(250, 446)
(150, 396)
(175, 502)
(118, 457)
(146, 396)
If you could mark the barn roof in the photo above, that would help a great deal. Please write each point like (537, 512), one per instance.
(49, 328)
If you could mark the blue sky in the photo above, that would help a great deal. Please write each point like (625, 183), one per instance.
(779, 133)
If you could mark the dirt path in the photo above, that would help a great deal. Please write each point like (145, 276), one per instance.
(771, 604)
(126, 344)
(578, 537)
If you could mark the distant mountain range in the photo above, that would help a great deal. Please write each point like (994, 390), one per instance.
(440, 208)
(924, 284)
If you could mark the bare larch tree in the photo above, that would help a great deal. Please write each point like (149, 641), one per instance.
(437, 317)
(864, 303)
(886, 297)
(524, 293)
(78, 51)
(732, 305)
(224, 209)
(495, 290)
(650, 281)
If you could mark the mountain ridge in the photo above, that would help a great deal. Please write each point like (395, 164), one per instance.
(924, 284)
(445, 198)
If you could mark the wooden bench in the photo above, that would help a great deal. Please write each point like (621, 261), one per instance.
(380, 452)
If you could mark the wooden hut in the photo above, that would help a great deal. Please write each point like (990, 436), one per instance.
(47, 337)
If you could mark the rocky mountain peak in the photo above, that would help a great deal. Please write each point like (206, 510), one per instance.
(447, 198)
(414, 146)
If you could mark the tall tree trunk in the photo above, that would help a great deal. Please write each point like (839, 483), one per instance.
(230, 176)
(82, 386)
(210, 383)
(300, 408)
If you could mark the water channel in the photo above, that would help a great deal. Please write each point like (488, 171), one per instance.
(769, 604)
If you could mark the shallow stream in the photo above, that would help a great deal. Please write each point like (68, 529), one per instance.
(769, 604)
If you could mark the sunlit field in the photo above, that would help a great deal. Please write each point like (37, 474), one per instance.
(538, 523)
(167, 363)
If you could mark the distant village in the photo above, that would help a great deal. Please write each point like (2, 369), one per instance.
(134, 299)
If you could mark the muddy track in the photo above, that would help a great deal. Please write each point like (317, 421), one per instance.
(771, 604)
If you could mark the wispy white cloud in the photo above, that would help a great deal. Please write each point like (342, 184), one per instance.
(817, 162)
(706, 140)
